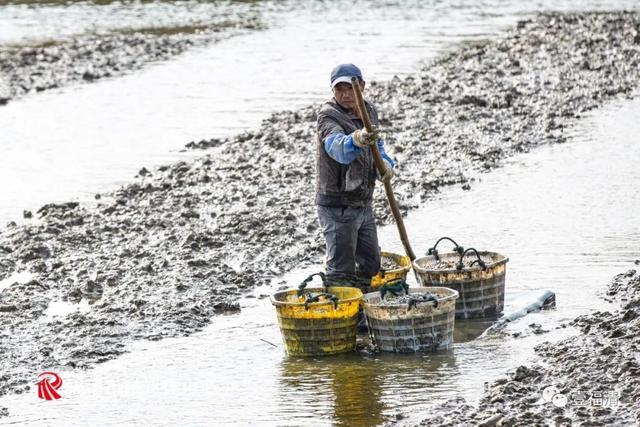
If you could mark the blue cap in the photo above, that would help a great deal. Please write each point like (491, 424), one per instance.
(343, 73)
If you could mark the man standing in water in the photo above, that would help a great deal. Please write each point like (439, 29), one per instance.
(345, 178)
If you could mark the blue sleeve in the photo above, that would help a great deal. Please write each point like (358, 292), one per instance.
(340, 148)
(384, 154)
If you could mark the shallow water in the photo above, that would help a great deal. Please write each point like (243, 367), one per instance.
(43, 22)
(70, 143)
(566, 215)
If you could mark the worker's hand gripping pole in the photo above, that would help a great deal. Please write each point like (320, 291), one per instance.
(377, 159)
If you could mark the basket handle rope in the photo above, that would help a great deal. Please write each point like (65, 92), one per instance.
(309, 298)
(415, 299)
(305, 282)
(433, 251)
(396, 288)
(479, 261)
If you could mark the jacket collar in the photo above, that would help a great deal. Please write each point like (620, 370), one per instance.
(350, 114)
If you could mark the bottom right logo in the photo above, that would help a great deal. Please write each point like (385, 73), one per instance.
(599, 398)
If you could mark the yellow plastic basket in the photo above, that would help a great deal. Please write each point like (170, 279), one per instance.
(391, 275)
(318, 328)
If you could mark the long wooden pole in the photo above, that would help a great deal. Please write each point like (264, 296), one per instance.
(377, 159)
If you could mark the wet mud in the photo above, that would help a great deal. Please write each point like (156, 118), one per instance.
(388, 263)
(32, 69)
(163, 254)
(592, 378)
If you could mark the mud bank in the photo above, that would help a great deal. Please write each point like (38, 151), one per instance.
(592, 378)
(160, 256)
(86, 59)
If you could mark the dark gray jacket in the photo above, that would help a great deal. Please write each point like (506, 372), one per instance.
(338, 184)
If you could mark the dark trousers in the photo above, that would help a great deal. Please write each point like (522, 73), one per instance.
(352, 240)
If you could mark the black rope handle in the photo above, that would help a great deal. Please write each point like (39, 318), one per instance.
(305, 282)
(310, 298)
(480, 262)
(396, 288)
(433, 251)
(415, 299)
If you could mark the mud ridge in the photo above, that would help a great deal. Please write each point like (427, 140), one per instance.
(162, 255)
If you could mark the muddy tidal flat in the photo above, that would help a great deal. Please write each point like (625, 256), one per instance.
(163, 254)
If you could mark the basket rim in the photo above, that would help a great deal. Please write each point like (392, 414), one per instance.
(453, 294)
(420, 269)
(314, 304)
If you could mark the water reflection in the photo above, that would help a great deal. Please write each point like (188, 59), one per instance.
(469, 330)
(355, 390)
